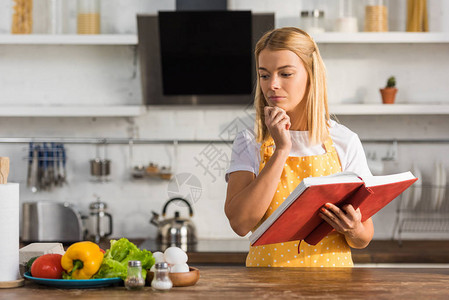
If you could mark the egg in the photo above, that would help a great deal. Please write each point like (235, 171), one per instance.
(175, 256)
(159, 257)
(180, 268)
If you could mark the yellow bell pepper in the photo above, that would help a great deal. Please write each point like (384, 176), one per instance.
(82, 260)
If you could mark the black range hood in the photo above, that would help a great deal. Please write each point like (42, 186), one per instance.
(199, 57)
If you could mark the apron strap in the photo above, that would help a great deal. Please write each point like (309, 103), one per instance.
(267, 149)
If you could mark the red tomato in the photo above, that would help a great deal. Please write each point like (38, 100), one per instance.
(47, 266)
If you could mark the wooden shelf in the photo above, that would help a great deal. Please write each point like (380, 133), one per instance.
(381, 37)
(131, 39)
(136, 110)
(338, 109)
(389, 109)
(72, 111)
(68, 39)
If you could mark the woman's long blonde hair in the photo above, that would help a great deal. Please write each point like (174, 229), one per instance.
(299, 42)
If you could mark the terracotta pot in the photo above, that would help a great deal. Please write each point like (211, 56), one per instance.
(388, 95)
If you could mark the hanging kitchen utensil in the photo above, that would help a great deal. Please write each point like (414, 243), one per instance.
(100, 168)
(46, 182)
(30, 164)
(52, 176)
(64, 160)
(33, 168)
(46, 166)
(176, 231)
(59, 180)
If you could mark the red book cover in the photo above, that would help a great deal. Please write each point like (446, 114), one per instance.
(370, 200)
(302, 217)
(324, 228)
(382, 195)
(299, 218)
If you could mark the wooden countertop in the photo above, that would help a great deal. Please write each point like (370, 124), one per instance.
(240, 282)
(377, 252)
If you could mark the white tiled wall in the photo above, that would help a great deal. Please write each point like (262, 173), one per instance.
(85, 75)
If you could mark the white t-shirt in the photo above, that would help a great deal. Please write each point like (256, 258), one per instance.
(246, 151)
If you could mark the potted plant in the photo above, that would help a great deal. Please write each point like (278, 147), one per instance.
(389, 92)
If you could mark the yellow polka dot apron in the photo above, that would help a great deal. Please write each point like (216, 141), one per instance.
(333, 250)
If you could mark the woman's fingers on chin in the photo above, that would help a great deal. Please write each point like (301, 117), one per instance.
(268, 110)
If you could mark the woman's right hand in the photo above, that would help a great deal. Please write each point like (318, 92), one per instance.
(278, 124)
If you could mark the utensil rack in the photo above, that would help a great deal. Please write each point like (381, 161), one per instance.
(423, 217)
(120, 141)
(108, 141)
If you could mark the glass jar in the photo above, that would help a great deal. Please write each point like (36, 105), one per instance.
(161, 280)
(313, 21)
(88, 18)
(22, 18)
(346, 20)
(55, 16)
(134, 280)
(376, 15)
(48, 16)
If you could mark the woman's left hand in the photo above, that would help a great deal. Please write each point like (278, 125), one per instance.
(347, 220)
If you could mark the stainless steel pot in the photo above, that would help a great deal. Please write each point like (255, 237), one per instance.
(176, 231)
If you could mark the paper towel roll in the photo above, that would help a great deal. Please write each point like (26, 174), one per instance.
(9, 232)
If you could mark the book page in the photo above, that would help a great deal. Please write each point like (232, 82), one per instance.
(342, 177)
(387, 179)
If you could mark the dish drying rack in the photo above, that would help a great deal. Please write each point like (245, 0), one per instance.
(427, 215)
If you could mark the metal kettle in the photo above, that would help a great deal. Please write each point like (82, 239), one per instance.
(176, 231)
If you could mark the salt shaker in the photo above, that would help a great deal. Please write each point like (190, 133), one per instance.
(134, 280)
(161, 280)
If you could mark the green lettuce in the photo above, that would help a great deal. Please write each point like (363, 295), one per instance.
(115, 261)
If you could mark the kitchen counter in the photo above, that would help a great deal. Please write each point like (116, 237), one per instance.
(234, 251)
(377, 252)
(238, 282)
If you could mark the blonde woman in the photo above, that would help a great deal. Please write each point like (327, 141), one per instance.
(294, 139)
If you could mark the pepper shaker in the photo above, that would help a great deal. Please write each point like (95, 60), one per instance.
(134, 279)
